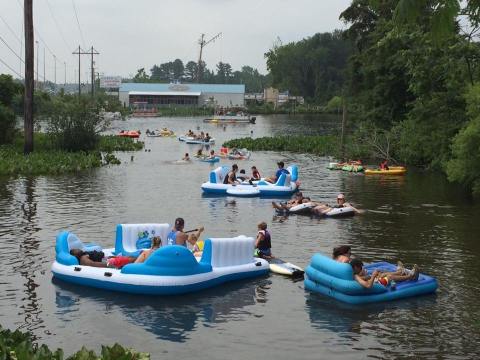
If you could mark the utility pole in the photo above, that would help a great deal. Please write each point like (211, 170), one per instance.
(55, 70)
(81, 52)
(65, 79)
(43, 87)
(202, 44)
(344, 125)
(29, 55)
(36, 86)
(93, 52)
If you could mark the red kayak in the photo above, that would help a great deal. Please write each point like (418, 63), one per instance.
(130, 133)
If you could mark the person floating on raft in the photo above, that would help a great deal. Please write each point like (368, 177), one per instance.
(384, 278)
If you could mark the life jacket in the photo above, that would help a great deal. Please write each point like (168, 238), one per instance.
(266, 243)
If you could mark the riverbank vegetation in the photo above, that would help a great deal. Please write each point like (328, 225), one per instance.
(321, 145)
(409, 76)
(16, 345)
(71, 140)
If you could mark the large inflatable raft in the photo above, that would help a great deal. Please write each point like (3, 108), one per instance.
(170, 270)
(286, 184)
(331, 278)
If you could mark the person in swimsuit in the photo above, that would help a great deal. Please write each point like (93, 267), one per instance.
(156, 243)
(97, 259)
(342, 254)
(263, 243)
(186, 157)
(178, 237)
(296, 200)
(281, 170)
(384, 278)
(231, 177)
(212, 155)
(255, 174)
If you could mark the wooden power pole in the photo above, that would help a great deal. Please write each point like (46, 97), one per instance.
(202, 44)
(29, 83)
(80, 52)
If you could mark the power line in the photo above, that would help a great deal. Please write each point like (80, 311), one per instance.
(57, 25)
(78, 23)
(9, 28)
(4, 63)
(13, 51)
(38, 34)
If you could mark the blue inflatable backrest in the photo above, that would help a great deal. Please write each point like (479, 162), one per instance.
(62, 248)
(173, 260)
(293, 170)
(281, 180)
(331, 267)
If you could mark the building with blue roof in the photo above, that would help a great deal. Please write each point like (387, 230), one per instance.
(150, 95)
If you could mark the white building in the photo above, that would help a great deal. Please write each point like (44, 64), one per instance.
(150, 95)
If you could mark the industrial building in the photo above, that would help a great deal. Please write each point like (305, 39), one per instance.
(149, 95)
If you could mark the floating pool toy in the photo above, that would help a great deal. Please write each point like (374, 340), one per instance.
(213, 160)
(285, 185)
(169, 270)
(332, 278)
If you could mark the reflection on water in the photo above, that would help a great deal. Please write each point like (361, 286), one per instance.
(171, 318)
(418, 218)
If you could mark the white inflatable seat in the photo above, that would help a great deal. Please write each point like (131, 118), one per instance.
(129, 234)
(232, 251)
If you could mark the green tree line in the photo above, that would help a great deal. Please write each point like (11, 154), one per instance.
(409, 72)
(223, 74)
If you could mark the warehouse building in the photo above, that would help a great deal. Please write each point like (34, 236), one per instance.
(148, 95)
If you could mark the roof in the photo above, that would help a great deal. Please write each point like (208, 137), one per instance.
(165, 93)
(205, 88)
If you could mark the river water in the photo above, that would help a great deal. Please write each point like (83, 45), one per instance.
(419, 218)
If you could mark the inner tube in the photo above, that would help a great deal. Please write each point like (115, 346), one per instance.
(302, 208)
(341, 212)
(214, 160)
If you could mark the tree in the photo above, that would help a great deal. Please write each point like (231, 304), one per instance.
(178, 69)
(9, 88)
(191, 71)
(224, 73)
(313, 67)
(141, 76)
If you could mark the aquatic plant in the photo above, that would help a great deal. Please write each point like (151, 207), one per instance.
(16, 345)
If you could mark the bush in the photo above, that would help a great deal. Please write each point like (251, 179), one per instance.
(7, 125)
(76, 124)
(15, 345)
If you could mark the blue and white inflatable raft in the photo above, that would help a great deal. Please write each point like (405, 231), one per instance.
(169, 270)
(286, 184)
(332, 278)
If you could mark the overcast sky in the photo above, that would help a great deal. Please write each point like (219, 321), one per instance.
(131, 34)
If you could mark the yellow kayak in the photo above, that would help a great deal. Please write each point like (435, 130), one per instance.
(392, 170)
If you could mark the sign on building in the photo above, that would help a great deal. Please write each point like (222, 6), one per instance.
(110, 82)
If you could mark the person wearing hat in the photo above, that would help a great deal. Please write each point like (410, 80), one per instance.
(341, 202)
(281, 170)
(178, 237)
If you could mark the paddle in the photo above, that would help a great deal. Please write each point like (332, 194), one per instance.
(189, 231)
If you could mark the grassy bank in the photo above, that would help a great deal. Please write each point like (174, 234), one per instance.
(48, 160)
(321, 145)
(20, 346)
